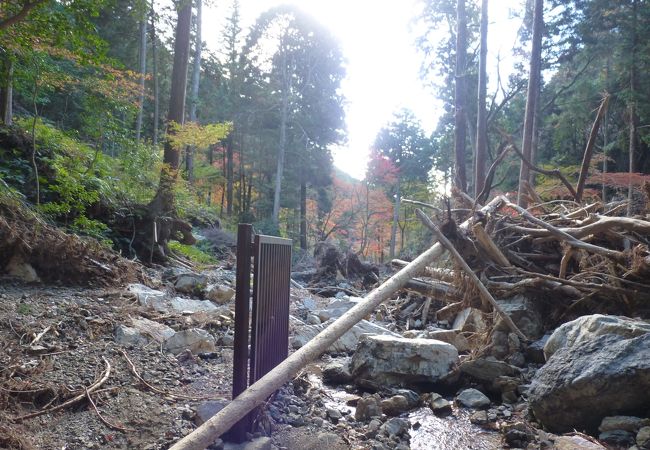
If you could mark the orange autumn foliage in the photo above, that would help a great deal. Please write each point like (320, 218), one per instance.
(359, 219)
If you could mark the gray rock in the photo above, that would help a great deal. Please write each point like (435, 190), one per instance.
(453, 337)
(157, 331)
(219, 293)
(260, 443)
(195, 339)
(487, 369)
(395, 427)
(470, 319)
(586, 328)
(479, 418)
(395, 405)
(627, 423)
(575, 443)
(190, 283)
(643, 437)
(129, 336)
(387, 360)
(439, 405)
(346, 343)
(412, 397)
(336, 308)
(153, 298)
(524, 313)
(334, 414)
(581, 384)
(535, 350)
(186, 305)
(313, 320)
(473, 398)
(617, 438)
(208, 409)
(337, 372)
(367, 408)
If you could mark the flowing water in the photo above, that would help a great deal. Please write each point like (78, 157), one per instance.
(428, 431)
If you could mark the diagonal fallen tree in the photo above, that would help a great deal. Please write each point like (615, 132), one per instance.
(257, 393)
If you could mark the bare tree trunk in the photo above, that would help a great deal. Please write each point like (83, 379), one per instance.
(286, 84)
(533, 87)
(6, 92)
(163, 202)
(481, 120)
(194, 95)
(393, 228)
(143, 70)
(589, 149)
(229, 173)
(460, 95)
(303, 214)
(154, 74)
(633, 117)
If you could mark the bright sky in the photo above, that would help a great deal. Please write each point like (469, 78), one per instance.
(383, 64)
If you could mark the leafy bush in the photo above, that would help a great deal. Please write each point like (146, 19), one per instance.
(193, 253)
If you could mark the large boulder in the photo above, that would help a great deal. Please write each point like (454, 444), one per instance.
(388, 360)
(586, 328)
(581, 384)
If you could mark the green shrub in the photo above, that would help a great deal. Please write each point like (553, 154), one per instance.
(192, 253)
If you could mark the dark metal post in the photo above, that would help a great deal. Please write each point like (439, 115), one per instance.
(242, 322)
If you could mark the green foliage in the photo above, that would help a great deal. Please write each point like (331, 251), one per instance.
(138, 172)
(193, 253)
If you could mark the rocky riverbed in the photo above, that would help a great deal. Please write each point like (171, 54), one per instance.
(141, 366)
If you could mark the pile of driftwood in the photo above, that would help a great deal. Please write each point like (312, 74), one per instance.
(574, 258)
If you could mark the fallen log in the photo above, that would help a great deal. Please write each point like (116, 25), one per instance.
(436, 273)
(256, 394)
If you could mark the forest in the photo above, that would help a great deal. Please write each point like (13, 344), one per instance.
(484, 284)
(116, 113)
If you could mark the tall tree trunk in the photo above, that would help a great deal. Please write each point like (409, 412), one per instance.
(303, 214)
(163, 202)
(6, 91)
(533, 87)
(194, 95)
(632, 113)
(460, 99)
(481, 119)
(393, 228)
(154, 74)
(143, 70)
(283, 135)
(229, 174)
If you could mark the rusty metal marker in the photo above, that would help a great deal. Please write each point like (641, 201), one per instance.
(269, 323)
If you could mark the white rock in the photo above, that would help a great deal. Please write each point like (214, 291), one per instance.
(129, 336)
(219, 293)
(401, 361)
(19, 268)
(183, 305)
(195, 339)
(586, 328)
(159, 332)
(470, 319)
(146, 296)
(303, 333)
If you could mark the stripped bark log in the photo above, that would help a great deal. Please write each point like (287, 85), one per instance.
(589, 149)
(487, 244)
(436, 273)
(602, 224)
(470, 273)
(256, 394)
(561, 235)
